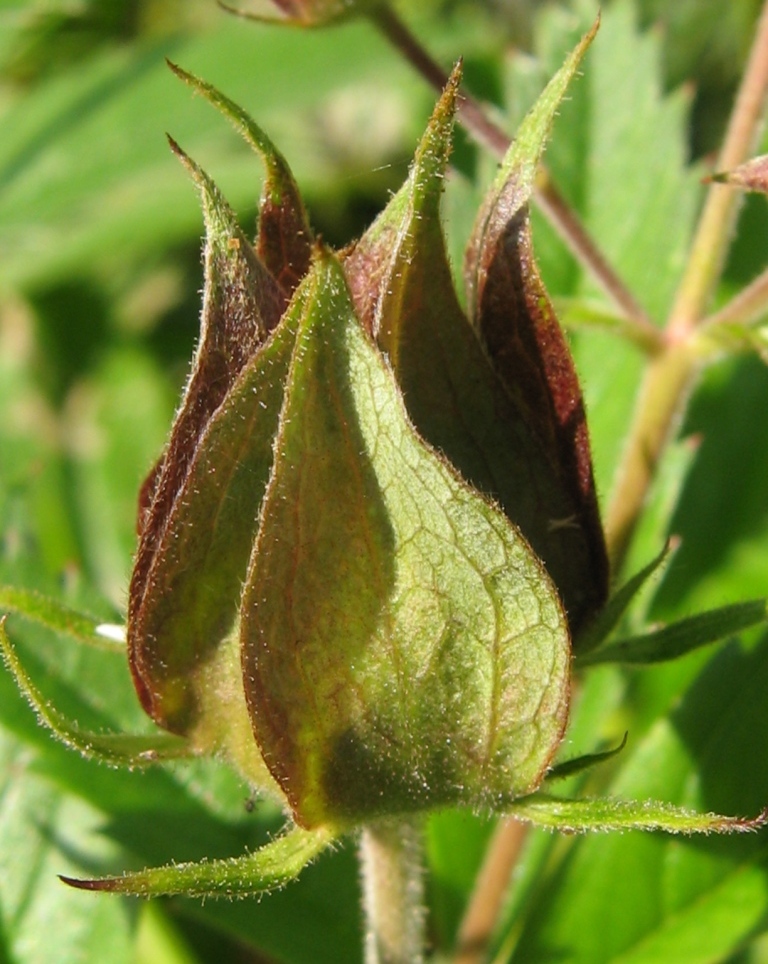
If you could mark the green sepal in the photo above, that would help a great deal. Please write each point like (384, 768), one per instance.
(570, 768)
(514, 183)
(403, 648)
(113, 749)
(606, 814)
(268, 868)
(610, 616)
(752, 175)
(284, 241)
(241, 305)
(60, 618)
(183, 638)
(516, 323)
(403, 292)
(681, 637)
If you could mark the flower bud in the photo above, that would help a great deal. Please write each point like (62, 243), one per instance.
(354, 549)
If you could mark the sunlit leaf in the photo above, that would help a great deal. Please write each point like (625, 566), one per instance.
(611, 614)
(683, 636)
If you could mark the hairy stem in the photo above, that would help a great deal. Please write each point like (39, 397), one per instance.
(475, 120)
(392, 870)
(669, 377)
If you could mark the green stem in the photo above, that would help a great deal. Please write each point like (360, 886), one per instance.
(669, 378)
(392, 869)
(662, 396)
(487, 898)
(714, 231)
(746, 308)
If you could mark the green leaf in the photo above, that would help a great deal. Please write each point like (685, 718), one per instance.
(60, 618)
(613, 611)
(65, 211)
(722, 554)
(607, 897)
(682, 637)
(581, 313)
(114, 749)
(270, 867)
(511, 312)
(604, 814)
(733, 336)
(42, 832)
(403, 649)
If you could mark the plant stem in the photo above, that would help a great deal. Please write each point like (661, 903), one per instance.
(746, 308)
(713, 234)
(484, 907)
(475, 120)
(392, 870)
(669, 377)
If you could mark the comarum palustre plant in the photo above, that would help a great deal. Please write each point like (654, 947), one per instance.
(371, 555)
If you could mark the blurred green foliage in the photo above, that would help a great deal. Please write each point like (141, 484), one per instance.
(99, 290)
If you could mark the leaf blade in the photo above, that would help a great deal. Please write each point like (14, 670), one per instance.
(683, 636)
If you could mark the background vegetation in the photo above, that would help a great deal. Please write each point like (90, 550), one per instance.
(99, 300)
